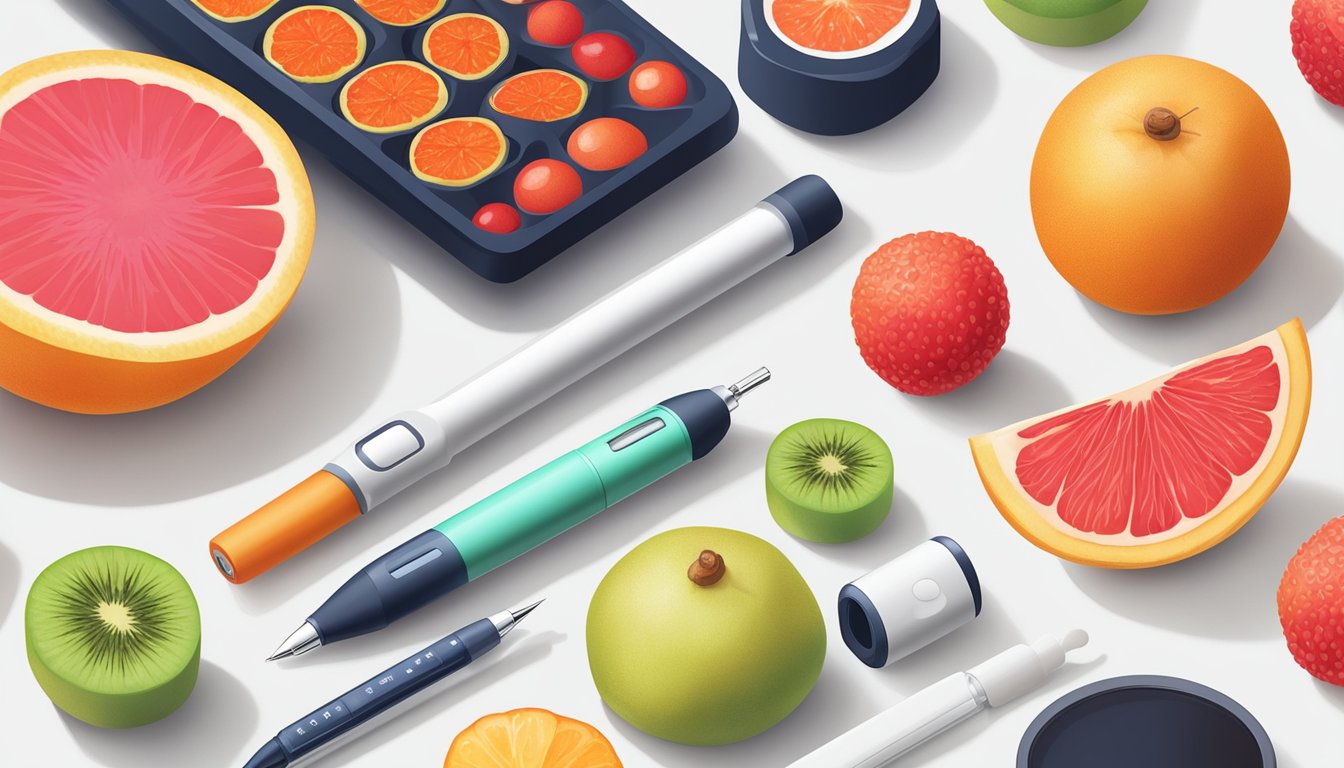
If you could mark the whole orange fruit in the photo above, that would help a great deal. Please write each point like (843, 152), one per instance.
(1159, 185)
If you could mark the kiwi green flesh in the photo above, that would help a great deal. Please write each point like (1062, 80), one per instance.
(829, 480)
(113, 636)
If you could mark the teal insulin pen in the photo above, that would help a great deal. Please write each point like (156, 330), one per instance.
(524, 515)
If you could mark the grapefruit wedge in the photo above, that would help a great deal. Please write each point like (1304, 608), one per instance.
(1163, 470)
(154, 223)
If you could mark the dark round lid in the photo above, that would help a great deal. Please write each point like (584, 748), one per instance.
(1149, 721)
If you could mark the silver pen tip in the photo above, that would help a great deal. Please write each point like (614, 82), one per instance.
(299, 642)
(756, 379)
(521, 613)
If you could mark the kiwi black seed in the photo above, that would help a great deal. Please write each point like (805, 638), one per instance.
(829, 480)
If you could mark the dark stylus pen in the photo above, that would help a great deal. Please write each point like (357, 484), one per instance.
(375, 701)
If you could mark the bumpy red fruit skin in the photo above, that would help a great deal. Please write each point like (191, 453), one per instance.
(1311, 603)
(1318, 45)
(930, 312)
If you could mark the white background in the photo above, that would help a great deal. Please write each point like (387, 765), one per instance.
(385, 320)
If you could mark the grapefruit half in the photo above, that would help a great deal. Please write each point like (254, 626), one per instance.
(154, 223)
(1163, 470)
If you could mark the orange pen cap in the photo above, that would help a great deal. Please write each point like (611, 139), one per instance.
(294, 521)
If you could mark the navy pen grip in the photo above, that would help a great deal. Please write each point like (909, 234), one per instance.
(400, 582)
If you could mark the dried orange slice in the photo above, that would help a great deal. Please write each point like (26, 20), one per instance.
(393, 96)
(535, 738)
(401, 13)
(234, 10)
(467, 46)
(459, 151)
(836, 26)
(314, 43)
(543, 95)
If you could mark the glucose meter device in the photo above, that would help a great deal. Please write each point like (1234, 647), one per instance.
(898, 608)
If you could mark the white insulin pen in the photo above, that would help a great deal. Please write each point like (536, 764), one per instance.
(949, 701)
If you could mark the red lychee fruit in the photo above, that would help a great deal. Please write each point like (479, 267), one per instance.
(1318, 45)
(929, 311)
(1311, 603)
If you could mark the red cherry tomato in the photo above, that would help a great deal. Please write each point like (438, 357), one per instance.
(606, 143)
(554, 22)
(657, 85)
(499, 218)
(546, 186)
(603, 56)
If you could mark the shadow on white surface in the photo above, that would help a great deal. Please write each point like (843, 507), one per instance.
(1227, 592)
(934, 127)
(99, 17)
(314, 374)
(1012, 388)
(522, 650)
(711, 194)
(9, 580)
(219, 712)
(1162, 27)
(1302, 276)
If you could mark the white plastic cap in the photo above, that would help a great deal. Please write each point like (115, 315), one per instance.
(1024, 668)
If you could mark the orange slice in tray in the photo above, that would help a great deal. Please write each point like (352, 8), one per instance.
(535, 738)
(467, 46)
(234, 10)
(393, 96)
(314, 44)
(401, 13)
(836, 26)
(459, 151)
(543, 95)
(1160, 471)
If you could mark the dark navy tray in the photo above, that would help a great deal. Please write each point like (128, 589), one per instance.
(679, 137)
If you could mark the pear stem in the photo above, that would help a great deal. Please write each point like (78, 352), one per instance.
(707, 569)
(1162, 124)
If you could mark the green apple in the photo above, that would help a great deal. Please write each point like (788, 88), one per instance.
(1066, 22)
(704, 636)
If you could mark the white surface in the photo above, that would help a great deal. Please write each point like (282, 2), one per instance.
(381, 296)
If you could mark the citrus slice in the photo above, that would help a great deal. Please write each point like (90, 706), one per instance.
(535, 738)
(459, 151)
(840, 26)
(393, 96)
(314, 44)
(401, 13)
(154, 223)
(542, 95)
(234, 10)
(467, 46)
(1162, 471)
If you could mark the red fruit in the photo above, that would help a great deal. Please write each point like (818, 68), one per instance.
(1318, 45)
(554, 22)
(929, 311)
(546, 186)
(603, 56)
(1311, 603)
(657, 85)
(499, 218)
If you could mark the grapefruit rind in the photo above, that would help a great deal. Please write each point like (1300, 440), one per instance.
(262, 8)
(1024, 514)
(269, 39)
(409, 124)
(582, 101)
(468, 181)
(459, 74)
(411, 22)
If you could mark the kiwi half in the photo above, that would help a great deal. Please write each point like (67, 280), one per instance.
(829, 480)
(114, 636)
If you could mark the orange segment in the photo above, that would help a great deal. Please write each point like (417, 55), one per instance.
(543, 95)
(1163, 470)
(459, 151)
(837, 25)
(532, 738)
(234, 10)
(314, 44)
(393, 96)
(467, 46)
(401, 13)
